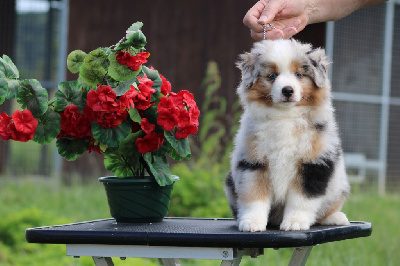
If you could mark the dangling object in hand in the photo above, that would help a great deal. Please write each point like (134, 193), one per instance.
(265, 26)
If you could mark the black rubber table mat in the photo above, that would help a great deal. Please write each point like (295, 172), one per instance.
(190, 232)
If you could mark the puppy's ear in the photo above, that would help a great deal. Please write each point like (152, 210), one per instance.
(246, 64)
(319, 63)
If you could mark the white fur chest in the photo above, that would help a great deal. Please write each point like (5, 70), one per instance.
(283, 143)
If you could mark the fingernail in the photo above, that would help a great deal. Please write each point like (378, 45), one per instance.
(263, 19)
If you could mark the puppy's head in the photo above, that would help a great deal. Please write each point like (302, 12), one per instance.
(283, 74)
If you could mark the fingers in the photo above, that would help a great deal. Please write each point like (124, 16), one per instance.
(269, 12)
(283, 29)
(252, 16)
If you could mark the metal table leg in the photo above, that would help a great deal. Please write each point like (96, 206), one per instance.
(170, 262)
(103, 261)
(300, 256)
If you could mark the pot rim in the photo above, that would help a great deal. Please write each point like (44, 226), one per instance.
(131, 179)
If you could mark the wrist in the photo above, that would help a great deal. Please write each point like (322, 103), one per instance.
(332, 10)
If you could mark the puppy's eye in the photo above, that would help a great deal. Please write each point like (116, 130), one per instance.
(273, 76)
(298, 75)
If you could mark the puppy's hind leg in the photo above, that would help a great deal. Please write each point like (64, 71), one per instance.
(231, 195)
(334, 216)
(253, 201)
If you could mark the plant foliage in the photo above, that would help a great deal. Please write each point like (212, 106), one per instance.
(118, 107)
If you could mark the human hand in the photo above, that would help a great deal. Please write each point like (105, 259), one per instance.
(288, 17)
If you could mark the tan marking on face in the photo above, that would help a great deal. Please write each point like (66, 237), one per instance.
(259, 190)
(260, 93)
(311, 95)
(295, 66)
(336, 207)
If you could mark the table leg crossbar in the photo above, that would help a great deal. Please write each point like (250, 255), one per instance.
(169, 256)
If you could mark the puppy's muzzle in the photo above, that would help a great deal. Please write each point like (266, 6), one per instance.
(287, 91)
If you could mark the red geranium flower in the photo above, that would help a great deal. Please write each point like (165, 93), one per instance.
(150, 142)
(143, 98)
(21, 126)
(5, 126)
(106, 109)
(132, 61)
(178, 111)
(74, 123)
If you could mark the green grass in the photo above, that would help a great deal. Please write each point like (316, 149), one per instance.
(34, 203)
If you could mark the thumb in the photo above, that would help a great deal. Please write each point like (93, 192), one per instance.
(271, 9)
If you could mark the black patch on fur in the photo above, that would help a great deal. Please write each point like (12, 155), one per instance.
(250, 85)
(305, 67)
(314, 63)
(320, 127)
(230, 185)
(315, 177)
(252, 166)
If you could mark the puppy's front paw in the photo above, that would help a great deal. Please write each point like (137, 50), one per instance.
(297, 221)
(252, 225)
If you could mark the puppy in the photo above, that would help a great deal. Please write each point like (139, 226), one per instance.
(287, 164)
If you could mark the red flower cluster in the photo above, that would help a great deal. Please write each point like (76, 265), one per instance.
(142, 99)
(151, 141)
(132, 61)
(21, 126)
(74, 123)
(178, 111)
(105, 108)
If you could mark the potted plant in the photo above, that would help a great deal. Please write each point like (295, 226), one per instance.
(117, 107)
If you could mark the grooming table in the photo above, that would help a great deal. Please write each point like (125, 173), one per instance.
(189, 238)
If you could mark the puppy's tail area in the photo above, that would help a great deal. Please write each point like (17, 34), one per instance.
(230, 192)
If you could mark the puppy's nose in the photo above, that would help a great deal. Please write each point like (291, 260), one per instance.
(287, 91)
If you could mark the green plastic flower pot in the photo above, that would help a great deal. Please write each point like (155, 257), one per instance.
(137, 200)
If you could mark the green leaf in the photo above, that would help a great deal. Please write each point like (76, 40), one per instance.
(13, 86)
(154, 76)
(134, 115)
(126, 159)
(133, 29)
(70, 148)
(159, 168)
(92, 76)
(8, 68)
(3, 90)
(48, 127)
(181, 146)
(69, 92)
(123, 87)
(96, 59)
(136, 41)
(126, 146)
(32, 96)
(74, 60)
(111, 136)
(118, 164)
